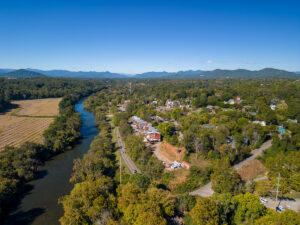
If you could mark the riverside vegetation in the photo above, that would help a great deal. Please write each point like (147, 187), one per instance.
(18, 165)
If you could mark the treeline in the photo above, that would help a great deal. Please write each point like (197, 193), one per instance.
(44, 87)
(19, 165)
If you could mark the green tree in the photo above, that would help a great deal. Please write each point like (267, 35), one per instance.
(205, 212)
(247, 208)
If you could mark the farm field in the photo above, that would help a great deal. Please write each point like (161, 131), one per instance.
(26, 123)
(37, 107)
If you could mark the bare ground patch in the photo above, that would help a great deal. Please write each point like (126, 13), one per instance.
(252, 170)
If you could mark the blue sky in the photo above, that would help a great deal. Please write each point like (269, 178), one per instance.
(158, 35)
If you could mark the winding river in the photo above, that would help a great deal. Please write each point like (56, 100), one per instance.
(39, 206)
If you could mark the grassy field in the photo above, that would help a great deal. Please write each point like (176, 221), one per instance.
(37, 107)
(26, 123)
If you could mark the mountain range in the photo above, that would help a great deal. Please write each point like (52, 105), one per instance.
(189, 74)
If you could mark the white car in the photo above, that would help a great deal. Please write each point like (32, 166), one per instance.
(263, 200)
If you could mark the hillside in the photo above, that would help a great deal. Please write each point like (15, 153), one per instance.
(241, 73)
(78, 74)
(188, 74)
(21, 74)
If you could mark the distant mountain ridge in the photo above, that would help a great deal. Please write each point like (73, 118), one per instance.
(22, 73)
(189, 74)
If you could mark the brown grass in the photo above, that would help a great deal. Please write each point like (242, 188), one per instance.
(37, 107)
(251, 170)
(180, 176)
(199, 162)
(15, 130)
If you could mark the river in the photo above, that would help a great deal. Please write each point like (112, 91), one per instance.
(39, 205)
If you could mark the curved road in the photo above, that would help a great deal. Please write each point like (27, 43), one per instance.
(207, 191)
(128, 161)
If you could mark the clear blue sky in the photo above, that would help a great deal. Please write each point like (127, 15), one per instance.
(137, 36)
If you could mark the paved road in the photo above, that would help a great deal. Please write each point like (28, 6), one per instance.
(128, 161)
(207, 191)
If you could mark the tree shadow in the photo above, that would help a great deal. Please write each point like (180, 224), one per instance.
(41, 174)
(24, 218)
(9, 108)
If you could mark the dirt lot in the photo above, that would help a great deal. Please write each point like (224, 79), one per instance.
(20, 125)
(37, 107)
(252, 170)
(168, 153)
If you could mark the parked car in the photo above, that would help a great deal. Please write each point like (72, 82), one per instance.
(263, 200)
(279, 208)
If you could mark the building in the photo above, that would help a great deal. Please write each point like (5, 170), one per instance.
(185, 164)
(169, 104)
(123, 107)
(281, 130)
(262, 123)
(273, 107)
(151, 134)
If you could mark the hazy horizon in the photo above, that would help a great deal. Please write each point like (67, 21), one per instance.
(139, 36)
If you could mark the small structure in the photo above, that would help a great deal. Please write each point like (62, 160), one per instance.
(175, 165)
(273, 107)
(262, 123)
(210, 107)
(124, 106)
(169, 104)
(185, 164)
(281, 130)
(292, 121)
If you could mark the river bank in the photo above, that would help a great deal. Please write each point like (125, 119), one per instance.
(39, 205)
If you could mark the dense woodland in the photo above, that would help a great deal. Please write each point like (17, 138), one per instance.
(44, 87)
(19, 165)
(221, 138)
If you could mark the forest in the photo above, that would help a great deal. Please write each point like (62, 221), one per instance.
(219, 136)
(18, 165)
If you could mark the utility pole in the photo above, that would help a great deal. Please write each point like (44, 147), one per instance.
(121, 167)
(278, 180)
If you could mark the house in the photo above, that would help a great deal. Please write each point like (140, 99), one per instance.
(273, 107)
(209, 126)
(238, 98)
(262, 123)
(153, 135)
(292, 121)
(123, 107)
(281, 130)
(231, 102)
(210, 107)
(185, 164)
(169, 104)
(157, 119)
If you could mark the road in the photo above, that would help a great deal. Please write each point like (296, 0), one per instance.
(128, 161)
(207, 191)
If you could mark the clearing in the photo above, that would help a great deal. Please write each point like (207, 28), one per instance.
(37, 107)
(252, 170)
(168, 153)
(28, 122)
